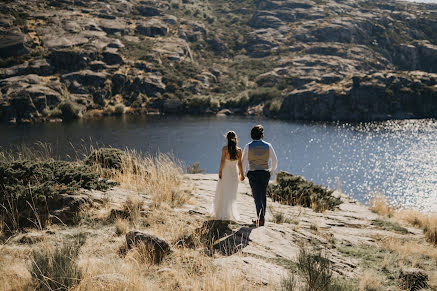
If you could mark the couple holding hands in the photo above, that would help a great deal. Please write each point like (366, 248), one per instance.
(261, 159)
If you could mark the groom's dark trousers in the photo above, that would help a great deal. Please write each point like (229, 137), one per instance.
(259, 180)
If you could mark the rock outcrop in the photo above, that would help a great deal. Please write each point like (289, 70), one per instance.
(156, 55)
(155, 247)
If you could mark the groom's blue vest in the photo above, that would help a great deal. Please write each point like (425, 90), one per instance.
(258, 155)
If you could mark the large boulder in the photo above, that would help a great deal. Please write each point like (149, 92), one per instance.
(38, 66)
(22, 107)
(148, 83)
(55, 41)
(262, 42)
(174, 49)
(148, 10)
(155, 248)
(69, 60)
(13, 45)
(152, 28)
(86, 78)
(265, 20)
(66, 208)
(26, 97)
(112, 26)
(112, 58)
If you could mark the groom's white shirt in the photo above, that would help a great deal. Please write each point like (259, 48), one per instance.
(272, 157)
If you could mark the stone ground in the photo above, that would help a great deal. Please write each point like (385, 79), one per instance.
(262, 248)
(352, 237)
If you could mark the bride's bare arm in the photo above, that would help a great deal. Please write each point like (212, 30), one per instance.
(240, 164)
(222, 162)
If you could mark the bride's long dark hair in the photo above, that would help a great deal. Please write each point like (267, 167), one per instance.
(231, 136)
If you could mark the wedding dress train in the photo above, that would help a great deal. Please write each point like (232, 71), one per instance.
(226, 193)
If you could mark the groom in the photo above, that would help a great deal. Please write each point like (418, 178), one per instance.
(258, 153)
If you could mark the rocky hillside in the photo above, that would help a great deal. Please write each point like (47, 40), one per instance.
(292, 59)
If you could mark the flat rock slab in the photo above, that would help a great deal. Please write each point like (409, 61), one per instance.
(350, 224)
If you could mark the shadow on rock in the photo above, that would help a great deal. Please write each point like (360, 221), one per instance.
(222, 236)
(235, 242)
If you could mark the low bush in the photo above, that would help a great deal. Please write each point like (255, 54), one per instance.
(119, 109)
(272, 108)
(109, 158)
(431, 234)
(69, 111)
(237, 102)
(195, 169)
(56, 269)
(198, 104)
(315, 268)
(262, 94)
(26, 187)
(295, 190)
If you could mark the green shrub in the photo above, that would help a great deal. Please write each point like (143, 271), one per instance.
(55, 112)
(295, 190)
(69, 111)
(28, 186)
(289, 283)
(195, 169)
(198, 104)
(315, 268)
(237, 102)
(262, 94)
(109, 158)
(119, 109)
(275, 106)
(56, 269)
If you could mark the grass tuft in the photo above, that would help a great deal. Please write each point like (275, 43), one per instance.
(194, 169)
(379, 205)
(370, 281)
(121, 226)
(56, 269)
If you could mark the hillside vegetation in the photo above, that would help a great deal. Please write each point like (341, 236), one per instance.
(293, 59)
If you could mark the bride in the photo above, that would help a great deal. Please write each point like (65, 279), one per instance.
(226, 191)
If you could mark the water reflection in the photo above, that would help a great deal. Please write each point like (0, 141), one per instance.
(397, 158)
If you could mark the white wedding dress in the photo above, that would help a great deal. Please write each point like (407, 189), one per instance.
(226, 193)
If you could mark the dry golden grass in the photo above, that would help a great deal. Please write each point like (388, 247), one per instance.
(14, 274)
(133, 205)
(158, 176)
(407, 250)
(156, 182)
(427, 222)
(370, 281)
(183, 269)
(113, 274)
(121, 226)
(379, 204)
(94, 113)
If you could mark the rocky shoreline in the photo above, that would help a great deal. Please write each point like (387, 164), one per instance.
(292, 59)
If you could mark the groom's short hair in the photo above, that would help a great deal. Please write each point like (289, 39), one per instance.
(257, 132)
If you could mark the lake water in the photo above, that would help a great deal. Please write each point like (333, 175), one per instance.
(396, 158)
